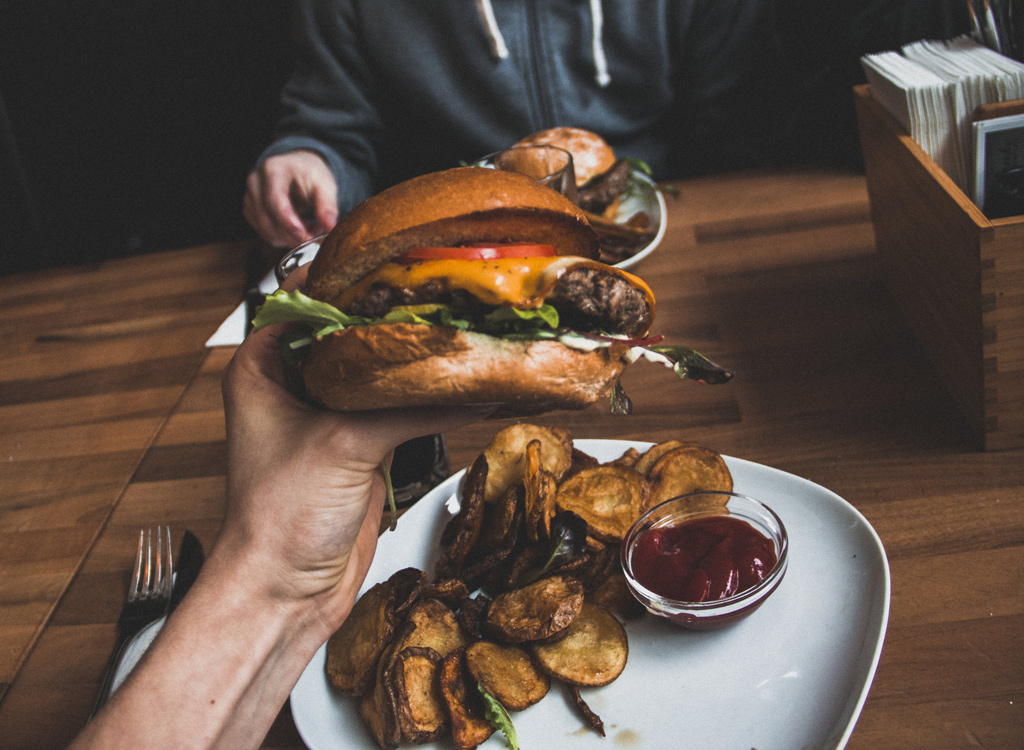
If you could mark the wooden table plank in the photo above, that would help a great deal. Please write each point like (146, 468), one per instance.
(95, 359)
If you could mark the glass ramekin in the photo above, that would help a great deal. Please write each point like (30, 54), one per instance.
(708, 615)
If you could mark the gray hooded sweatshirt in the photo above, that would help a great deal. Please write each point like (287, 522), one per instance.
(388, 89)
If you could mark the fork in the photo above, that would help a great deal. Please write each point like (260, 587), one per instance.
(149, 594)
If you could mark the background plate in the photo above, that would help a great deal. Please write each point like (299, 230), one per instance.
(792, 676)
(651, 201)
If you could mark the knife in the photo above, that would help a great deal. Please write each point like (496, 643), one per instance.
(190, 560)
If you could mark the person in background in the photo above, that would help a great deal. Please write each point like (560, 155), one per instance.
(305, 496)
(384, 91)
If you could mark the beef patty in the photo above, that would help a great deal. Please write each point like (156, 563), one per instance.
(587, 299)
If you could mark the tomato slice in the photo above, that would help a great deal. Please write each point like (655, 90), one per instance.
(481, 251)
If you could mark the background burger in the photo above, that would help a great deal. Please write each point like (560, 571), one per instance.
(469, 286)
(602, 180)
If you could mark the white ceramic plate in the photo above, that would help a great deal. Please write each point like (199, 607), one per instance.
(651, 201)
(793, 675)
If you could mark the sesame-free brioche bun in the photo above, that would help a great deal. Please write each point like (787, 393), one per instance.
(591, 154)
(453, 207)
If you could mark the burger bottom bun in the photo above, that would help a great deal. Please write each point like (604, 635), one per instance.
(402, 365)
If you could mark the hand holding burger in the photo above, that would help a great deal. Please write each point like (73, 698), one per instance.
(470, 286)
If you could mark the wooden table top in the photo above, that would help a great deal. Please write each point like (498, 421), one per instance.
(111, 415)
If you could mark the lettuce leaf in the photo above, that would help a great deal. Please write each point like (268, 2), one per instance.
(435, 314)
(618, 402)
(687, 363)
(506, 320)
(295, 307)
(321, 318)
(499, 718)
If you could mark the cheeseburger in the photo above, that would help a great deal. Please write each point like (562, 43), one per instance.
(602, 181)
(601, 177)
(469, 286)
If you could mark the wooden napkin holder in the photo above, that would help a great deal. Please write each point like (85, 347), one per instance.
(957, 276)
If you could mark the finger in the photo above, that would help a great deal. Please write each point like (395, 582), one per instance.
(326, 207)
(257, 371)
(286, 225)
(268, 207)
(252, 207)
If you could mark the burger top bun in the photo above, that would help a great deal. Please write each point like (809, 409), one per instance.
(449, 208)
(591, 155)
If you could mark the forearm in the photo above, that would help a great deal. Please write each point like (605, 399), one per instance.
(219, 672)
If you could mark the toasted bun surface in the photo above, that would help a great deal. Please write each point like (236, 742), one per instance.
(591, 154)
(405, 365)
(453, 207)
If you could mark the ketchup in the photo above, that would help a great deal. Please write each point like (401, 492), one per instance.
(705, 559)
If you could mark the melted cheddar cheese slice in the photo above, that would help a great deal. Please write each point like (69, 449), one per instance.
(517, 282)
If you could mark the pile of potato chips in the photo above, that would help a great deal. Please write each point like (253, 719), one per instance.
(528, 590)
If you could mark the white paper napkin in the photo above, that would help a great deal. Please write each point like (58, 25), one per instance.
(133, 653)
(232, 331)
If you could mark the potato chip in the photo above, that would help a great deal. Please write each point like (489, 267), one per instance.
(472, 614)
(628, 459)
(415, 693)
(535, 612)
(494, 547)
(377, 709)
(527, 559)
(408, 584)
(601, 559)
(580, 461)
(467, 522)
(690, 468)
(500, 522)
(506, 454)
(593, 720)
(468, 722)
(614, 595)
(431, 624)
(652, 454)
(608, 498)
(507, 673)
(592, 653)
(353, 650)
(450, 591)
(540, 489)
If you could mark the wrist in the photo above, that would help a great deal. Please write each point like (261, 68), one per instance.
(314, 584)
(250, 582)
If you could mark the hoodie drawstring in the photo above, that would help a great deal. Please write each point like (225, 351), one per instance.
(498, 47)
(601, 74)
(500, 50)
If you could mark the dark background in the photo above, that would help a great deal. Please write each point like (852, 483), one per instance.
(128, 126)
